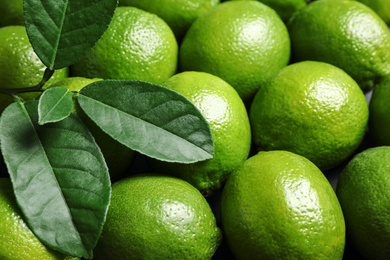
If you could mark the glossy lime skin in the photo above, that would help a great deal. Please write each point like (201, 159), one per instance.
(363, 190)
(157, 217)
(347, 34)
(313, 109)
(137, 45)
(229, 123)
(279, 205)
(243, 42)
(178, 14)
(284, 8)
(17, 240)
(379, 123)
(19, 65)
(381, 7)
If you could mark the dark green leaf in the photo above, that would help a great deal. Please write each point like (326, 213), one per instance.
(150, 119)
(59, 176)
(62, 31)
(55, 104)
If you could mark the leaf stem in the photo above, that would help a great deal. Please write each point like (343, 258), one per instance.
(37, 88)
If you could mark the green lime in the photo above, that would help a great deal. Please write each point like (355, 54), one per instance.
(178, 14)
(17, 240)
(226, 114)
(137, 45)
(363, 190)
(11, 12)
(313, 109)
(381, 7)
(244, 43)
(158, 217)
(279, 205)
(19, 65)
(117, 156)
(347, 34)
(284, 8)
(379, 122)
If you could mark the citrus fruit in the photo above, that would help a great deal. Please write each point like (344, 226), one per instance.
(279, 205)
(363, 190)
(313, 109)
(19, 65)
(379, 122)
(17, 240)
(117, 156)
(226, 114)
(381, 7)
(243, 42)
(11, 12)
(157, 217)
(178, 14)
(347, 34)
(137, 45)
(285, 8)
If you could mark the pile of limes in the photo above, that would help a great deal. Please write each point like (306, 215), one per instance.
(292, 91)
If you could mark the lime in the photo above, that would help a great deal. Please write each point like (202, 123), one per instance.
(157, 217)
(11, 12)
(117, 156)
(379, 122)
(279, 205)
(243, 42)
(363, 190)
(137, 45)
(285, 8)
(347, 34)
(381, 7)
(313, 109)
(226, 114)
(19, 65)
(178, 14)
(17, 240)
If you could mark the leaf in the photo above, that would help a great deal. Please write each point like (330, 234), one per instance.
(150, 119)
(59, 176)
(55, 104)
(62, 31)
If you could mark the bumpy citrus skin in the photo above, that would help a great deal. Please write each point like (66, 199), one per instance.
(229, 123)
(363, 190)
(11, 12)
(279, 205)
(178, 14)
(243, 42)
(19, 65)
(17, 240)
(313, 109)
(157, 217)
(285, 8)
(117, 156)
(379, 123)
(347, 34)
(137, 45)
(381, 7)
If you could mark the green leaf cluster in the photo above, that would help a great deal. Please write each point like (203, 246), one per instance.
(59, 176)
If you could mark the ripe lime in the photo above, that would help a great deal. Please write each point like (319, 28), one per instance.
(17, 240)
(279, 205)
(363, 190)
(313, 109)
(178, 14)
(379, 122)
(137, 45)
(381, 7)
(157, 217)
(347, 34)
(19, 65)
(229, 123)
(243, 42)
(285, 8)
(11, 12)
(117, 156)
